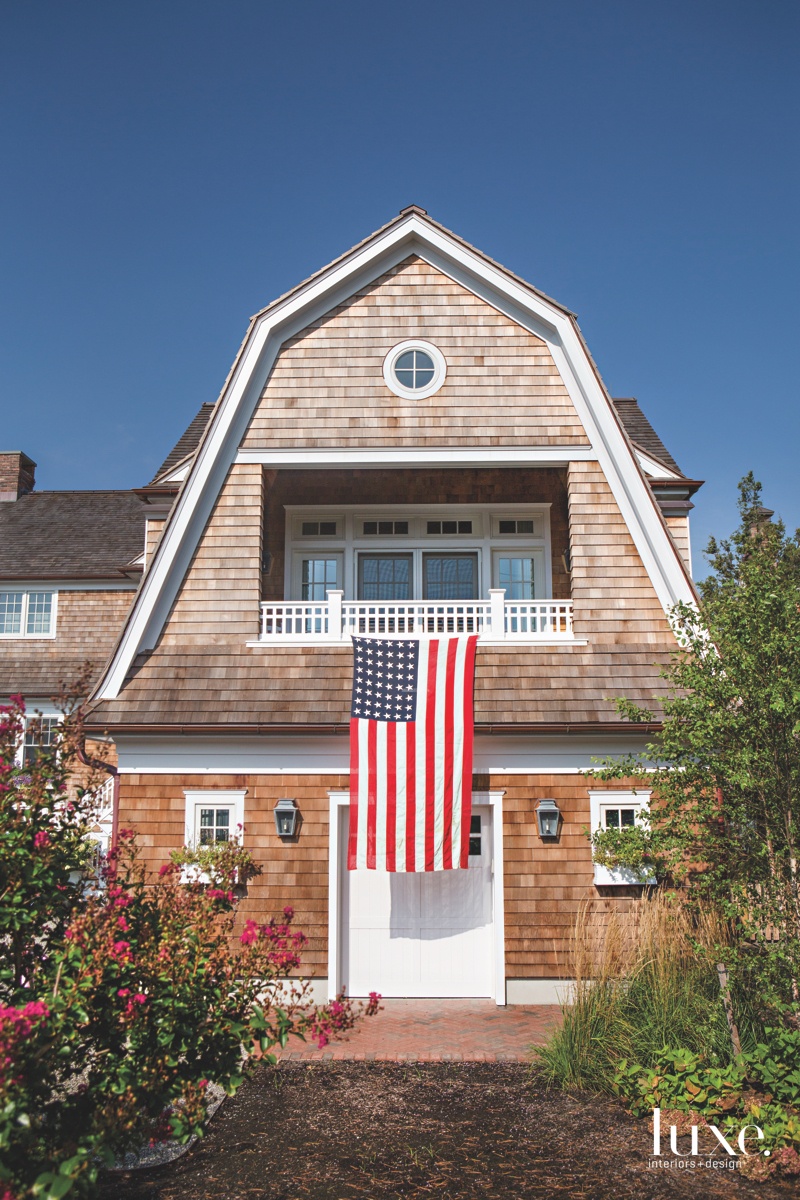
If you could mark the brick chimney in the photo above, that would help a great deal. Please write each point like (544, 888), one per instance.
(16, 474)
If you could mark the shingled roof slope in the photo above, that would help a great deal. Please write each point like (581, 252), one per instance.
(187, 443)
(70, 535)
(641, 432)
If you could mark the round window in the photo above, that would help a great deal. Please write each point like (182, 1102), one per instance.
(414, 370)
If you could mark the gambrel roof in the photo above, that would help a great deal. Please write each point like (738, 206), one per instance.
(412, 237)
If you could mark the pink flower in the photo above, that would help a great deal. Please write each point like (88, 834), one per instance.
(42, 839)
(249, 933)
(123, 992)
(217, 894)
(167, 869)
(122, 924)
(121, 951)
(140, 998)
(288, 912)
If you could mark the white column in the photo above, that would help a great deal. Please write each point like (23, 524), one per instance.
(335, 613)
(497, 597)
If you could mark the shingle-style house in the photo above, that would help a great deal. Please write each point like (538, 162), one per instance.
(412, 442)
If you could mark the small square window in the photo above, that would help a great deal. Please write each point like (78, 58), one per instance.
(401, 527)
(215, 826)
(465, 526)
(310, 528)
(370, 527)
(327, 528)
(434, 526)
(449, 526)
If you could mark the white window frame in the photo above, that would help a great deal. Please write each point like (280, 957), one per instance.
(439, 370)
(351, 541)
(26, 593)
(36, 715)
(599, 801)
(197, 798)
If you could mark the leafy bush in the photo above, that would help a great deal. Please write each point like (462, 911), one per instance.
(759, 1088)
(119, 1002)
(630, 847)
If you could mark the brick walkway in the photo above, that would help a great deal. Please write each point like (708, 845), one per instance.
(439, 1031)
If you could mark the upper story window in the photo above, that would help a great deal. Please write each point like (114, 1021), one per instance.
(384, 528)
(319, 528)
(414, 370)
(39, 738)
(417, 552)
(27, 614)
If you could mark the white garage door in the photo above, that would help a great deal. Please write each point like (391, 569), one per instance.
(424, 934)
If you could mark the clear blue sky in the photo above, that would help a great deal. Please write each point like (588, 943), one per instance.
(170, 167)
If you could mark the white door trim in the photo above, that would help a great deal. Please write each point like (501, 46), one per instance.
(338, 801)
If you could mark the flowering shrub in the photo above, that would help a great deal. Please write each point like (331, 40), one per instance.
(227, 864)
(119, 1004)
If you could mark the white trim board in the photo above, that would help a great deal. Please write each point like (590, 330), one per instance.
(218, 449)
(326, 755)
(338, 801)
(443, 456)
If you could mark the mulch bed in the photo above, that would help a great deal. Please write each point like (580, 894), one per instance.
(350, 1131)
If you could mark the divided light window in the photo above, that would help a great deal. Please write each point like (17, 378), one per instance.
(39, 738)
(318, 529)
(525, 526)
(27, 614)
(385, 528)
(443, 527)
(214, 825)
(317, 577)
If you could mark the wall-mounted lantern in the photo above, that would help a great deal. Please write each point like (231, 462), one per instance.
(286, 814)
(548, 817)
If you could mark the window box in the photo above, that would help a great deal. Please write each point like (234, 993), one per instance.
(621, 810)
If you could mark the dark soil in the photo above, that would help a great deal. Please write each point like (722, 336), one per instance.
(365, 1131)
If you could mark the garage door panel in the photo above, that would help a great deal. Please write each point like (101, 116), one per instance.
(425, 934)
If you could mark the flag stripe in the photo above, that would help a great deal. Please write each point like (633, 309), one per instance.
(390, 832)
(449, 738)
(467, 732)
(431, 747)
(411, 796)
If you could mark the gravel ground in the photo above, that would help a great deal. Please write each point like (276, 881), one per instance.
(353, 1131)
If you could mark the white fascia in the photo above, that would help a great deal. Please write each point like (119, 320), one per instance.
(218, 448)
(653, 468)
(442, 456)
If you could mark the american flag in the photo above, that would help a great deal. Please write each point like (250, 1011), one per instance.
(411, 753)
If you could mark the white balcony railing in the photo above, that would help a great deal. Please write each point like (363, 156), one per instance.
(336, 619)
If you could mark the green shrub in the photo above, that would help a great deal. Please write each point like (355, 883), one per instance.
(643, 980)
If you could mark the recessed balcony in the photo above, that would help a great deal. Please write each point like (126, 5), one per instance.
(335, 620)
